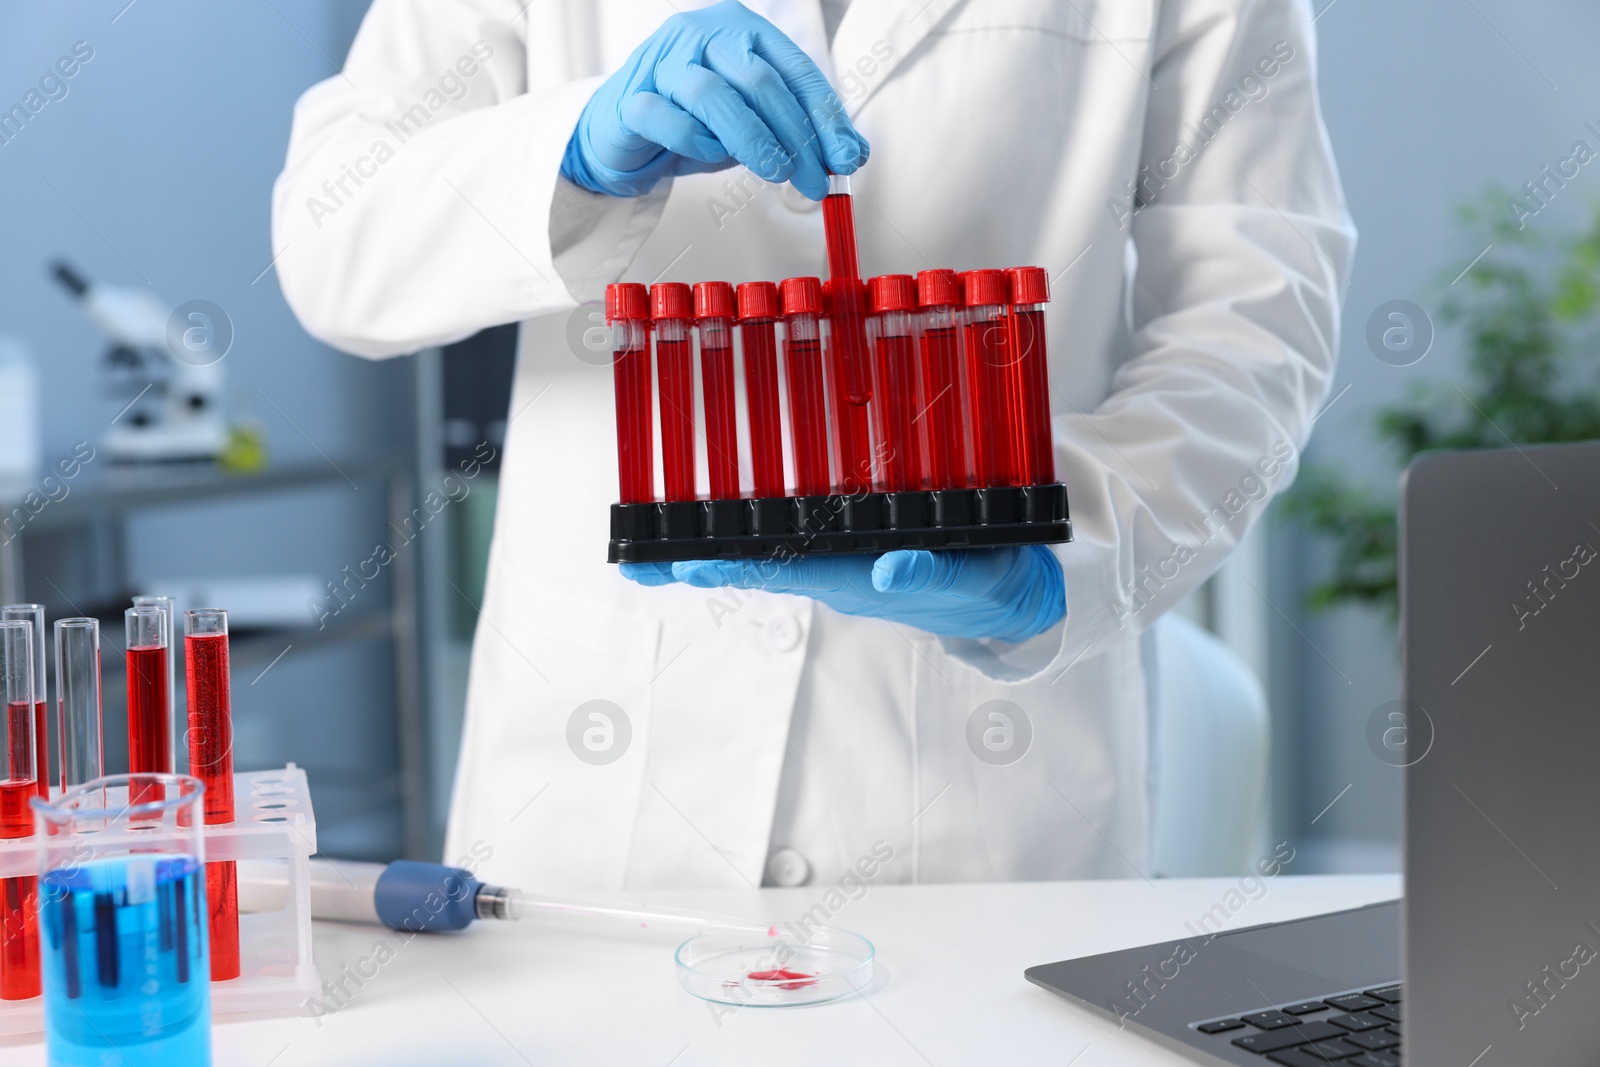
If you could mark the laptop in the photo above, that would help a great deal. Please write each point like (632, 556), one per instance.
(1498, 936)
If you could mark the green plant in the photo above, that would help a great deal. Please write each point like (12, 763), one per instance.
(1524, 313)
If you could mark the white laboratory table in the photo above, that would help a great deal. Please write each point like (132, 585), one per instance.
(948, 989)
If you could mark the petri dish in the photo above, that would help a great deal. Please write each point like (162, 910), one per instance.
(750, 970)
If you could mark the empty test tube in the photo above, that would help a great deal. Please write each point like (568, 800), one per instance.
(34, 615)
(893, 299)
(943, 400)
(628, 314)
(801, 300)
(205, 657)
(671, 309)
(1030, 291)
(758, 315)
(19, 928)
(987, 294)
(78, 720)
(714, 311)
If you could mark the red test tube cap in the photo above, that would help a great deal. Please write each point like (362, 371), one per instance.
(984, 288)
(801, 296)
(1029, 285)
(758, 300)
(713, 300)
(892, 292)
(938, 288)
(627, 300)
(671, 300)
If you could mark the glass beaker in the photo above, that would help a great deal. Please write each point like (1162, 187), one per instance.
(123, 922)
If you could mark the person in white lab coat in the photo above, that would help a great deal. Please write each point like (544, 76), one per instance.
(1165, 159)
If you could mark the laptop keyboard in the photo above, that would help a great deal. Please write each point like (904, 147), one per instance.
(1355, 1029)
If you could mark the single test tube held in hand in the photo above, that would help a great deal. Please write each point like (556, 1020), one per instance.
(205, 646)
(19, 927)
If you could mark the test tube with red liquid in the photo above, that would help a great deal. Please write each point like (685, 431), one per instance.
(714, 311)
(943, 411)
(758, 316)
(19, 927)
(205, 657)
(994, 438)
(801, 301)
(149, 728)
(671, 311)
(628, 314)
(850, 357)
(34, 615)
(893, 299)
(1030, 291)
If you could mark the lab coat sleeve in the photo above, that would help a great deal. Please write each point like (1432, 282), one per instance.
(421, 199)
(1243, 246)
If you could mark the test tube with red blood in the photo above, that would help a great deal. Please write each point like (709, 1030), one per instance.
(849, 352)
(987, 294)
(209, 689)
(628, 314)
(758, 315)
(671, 310)
(893, 299)
(1030, 291)
(943, 410)
(714, 310)
(19, 927)
(801, 300)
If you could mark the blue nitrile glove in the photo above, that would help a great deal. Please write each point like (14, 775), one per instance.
(710, 88)
(1007, 593)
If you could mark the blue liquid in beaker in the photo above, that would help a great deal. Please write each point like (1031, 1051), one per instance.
(127, 979)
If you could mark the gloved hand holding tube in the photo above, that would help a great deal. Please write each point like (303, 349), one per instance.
(1010, 594)
(711, 88)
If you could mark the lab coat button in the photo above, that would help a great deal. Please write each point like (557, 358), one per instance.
(787, 868)
(783, 632)
(796, 201)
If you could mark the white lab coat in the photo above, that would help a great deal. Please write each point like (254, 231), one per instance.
(1191, 343)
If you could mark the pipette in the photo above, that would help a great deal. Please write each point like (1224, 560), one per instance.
(415, 897)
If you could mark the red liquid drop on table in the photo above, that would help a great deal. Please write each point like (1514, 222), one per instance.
(19, 927)
(211, 760)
